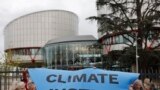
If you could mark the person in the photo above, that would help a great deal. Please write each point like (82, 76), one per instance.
(21, 86)
(153, 87)
(147, 84)
(14, 85)
(31, 86)
(18, 85)
(137, 85)
(25, 77)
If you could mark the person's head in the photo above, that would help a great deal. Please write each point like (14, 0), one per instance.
(20, 86)
(147, 83)
(137, 85)
(31, 86)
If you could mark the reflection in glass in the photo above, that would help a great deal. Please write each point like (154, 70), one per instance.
(72, 54)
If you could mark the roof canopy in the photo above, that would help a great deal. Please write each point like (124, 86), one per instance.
(72, 39)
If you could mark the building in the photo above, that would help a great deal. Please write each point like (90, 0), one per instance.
(73, 52)
(26, 35)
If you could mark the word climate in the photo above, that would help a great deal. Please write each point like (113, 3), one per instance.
(85, 78)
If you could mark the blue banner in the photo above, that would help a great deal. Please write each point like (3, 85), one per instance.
(85, 79)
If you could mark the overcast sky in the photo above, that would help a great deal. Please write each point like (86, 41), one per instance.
(11, 9)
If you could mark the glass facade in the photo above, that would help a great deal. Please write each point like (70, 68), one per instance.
(67, 55)
(25, 55)
(119, 39)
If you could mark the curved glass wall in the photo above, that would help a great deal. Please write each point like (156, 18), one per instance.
(72, 54)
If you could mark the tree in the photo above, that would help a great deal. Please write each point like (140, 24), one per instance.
(141, 16)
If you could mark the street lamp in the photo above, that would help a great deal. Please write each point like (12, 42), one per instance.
(136, 54)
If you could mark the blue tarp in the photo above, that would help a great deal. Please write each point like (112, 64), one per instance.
(85, 79)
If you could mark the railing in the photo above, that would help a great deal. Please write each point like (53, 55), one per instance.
(8, 76)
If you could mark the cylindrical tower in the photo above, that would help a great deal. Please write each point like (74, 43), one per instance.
(25, 35)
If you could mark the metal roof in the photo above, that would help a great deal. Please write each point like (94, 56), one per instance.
(72, 39)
